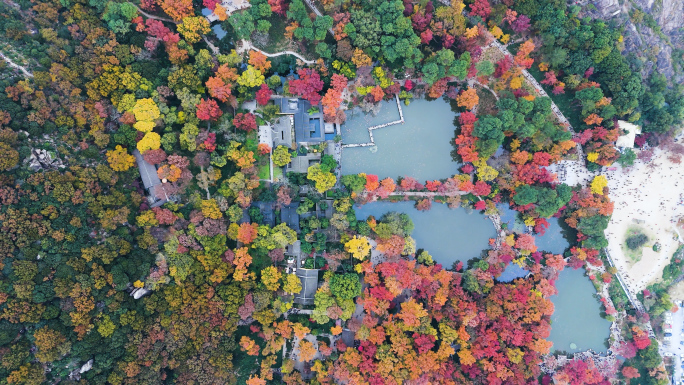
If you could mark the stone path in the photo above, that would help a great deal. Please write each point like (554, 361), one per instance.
(556, 111)
(15, 65)
(152, 16)
(246, 45)
(632, 298)
(311, 5)
(370, 129)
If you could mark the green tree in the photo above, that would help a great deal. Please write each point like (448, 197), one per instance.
(353, 182)
(345, 286)
(484, 68)
(242, 23)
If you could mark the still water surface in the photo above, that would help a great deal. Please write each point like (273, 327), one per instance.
(420, 148)
(449, 235)
(576, 319)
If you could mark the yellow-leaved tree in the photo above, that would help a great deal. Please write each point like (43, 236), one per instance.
(119, 159)
(270, 277)
(292, 284)
(145, 110)
(324, 180)
(151, 141)
(598, 184)
(193, 27)
(359, 247)
(210, 209)
(252, 77)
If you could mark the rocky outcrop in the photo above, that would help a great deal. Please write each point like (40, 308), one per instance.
(653, 49)
(139, 293)
(86, 367)
(668, 13)
(42, 159)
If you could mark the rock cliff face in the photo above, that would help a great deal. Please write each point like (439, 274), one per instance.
(668, 13)
(653, 50)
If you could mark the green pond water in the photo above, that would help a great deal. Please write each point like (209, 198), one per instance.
(449, 235)
(452, 235)
(553, 240)
(576, 319)
(420, 148)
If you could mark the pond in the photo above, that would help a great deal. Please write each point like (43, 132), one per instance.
(449, 235)
(218, 30)
(576, 324)
(512, 272)
(354, 130)
(420, 148)
(553, 240)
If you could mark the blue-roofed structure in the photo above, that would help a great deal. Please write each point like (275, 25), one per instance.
(308, 127)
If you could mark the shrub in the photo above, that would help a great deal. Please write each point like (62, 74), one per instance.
(636, 241)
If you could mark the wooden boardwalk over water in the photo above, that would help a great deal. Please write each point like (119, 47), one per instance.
(372, 128)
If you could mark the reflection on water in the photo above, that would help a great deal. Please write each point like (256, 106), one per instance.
(449, 235)
(512, 272)
(218, 30)
(576, 321)
(420, 148)
(553, 240)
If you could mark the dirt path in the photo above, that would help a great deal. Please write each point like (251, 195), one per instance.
(152, 16)
(15, 65)
(246, 45)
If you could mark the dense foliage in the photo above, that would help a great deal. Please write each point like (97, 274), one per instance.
(106, 279)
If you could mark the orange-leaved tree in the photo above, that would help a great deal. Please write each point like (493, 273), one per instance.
(468, 98)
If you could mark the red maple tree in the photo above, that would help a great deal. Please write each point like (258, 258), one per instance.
(308, 85)
(208, 109)
(263, 95)
(245, 121)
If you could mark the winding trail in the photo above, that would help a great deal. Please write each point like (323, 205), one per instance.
(149, 16)
(311, 5)
(212, 47)
(535, 83)
(15, 65)
(246, 45)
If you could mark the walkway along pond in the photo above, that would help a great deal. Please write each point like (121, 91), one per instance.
(420, 148)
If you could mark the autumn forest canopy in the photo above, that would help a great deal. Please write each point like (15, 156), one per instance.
(173, 209)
